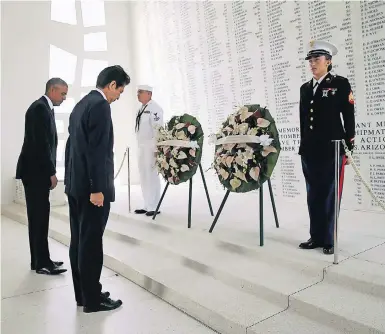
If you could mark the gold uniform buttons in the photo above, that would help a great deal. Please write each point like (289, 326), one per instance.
(311, 118)
(311, 101)
(311, 110)
(311, 127)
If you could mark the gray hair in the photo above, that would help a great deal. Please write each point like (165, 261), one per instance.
(54, 82)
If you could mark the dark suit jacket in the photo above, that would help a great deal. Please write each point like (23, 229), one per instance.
(89, 157)
(320, 116)
(37, 160)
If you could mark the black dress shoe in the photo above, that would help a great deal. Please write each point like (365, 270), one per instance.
(151, 213)
(103, 296)
(55, 263)
(328, 250)
(140, 211)
(50, 271)
(105, 305)
(310, 244)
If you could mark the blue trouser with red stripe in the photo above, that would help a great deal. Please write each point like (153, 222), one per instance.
(320, 181)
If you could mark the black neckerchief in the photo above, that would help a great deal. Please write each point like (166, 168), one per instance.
(138, 116)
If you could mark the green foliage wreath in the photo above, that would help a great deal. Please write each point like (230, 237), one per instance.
(243, 167)
(175, 163)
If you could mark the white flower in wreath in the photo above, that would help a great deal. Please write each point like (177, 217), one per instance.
(173, 163)
(235, 183)
(180, 126)
(182, 155)
(263, 123)
(240, 175)
(164, 164)
(254, 173)
(172, 171)
(265, 140)
(175, 152)
(191, 129)
(242, 128)
(222, 172)
(184, 168)
(245, 114)
(181, 135)
(232, 120)
(252, 132)
(192, 152)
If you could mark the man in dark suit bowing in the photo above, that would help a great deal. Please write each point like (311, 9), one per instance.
(326, 114)
(89, 184)
(36, 168)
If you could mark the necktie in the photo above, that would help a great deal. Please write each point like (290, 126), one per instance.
(138, 118)
(315, 87)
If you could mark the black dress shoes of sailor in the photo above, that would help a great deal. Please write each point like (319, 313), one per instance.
(106, 304)
(310, 244)
(140, 211)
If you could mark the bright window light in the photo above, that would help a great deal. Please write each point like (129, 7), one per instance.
(95, 41)
(60, 150)
(62, 64)
(63, 11)
(82, 95)
(59, 126)
(66, 107)
(93, 13)
(91, 70)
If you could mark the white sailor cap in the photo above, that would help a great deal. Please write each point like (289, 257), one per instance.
(320, 48)
(146, 88)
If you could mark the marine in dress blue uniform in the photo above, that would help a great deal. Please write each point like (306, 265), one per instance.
(326, 114)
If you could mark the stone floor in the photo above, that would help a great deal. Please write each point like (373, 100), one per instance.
(38, 304)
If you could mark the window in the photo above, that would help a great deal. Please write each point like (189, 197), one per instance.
(95, 41)
(91, 70)
(62, 64)
(63, 11)
(93, 13)
(66, 107)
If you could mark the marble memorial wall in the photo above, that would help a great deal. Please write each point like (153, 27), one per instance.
(205, 58)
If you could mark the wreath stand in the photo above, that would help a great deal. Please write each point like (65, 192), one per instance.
(261, 235)
(189, 197)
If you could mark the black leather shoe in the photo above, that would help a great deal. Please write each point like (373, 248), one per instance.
(151, 213)
(328, 250)
(50, 271)
(56, 263)
(140, 211)
(310, 244)
(103, 296)
(105, 305)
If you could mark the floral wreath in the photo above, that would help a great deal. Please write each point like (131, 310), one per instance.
(179, 148)
(246, 149)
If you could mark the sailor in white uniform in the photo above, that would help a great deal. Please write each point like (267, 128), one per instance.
(149, 116)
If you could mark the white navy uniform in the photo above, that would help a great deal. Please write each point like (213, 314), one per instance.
(148, 117)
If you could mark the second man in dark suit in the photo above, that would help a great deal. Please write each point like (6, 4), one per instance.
(36, 168)
(89, 184)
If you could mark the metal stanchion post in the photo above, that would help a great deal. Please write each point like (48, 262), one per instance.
(336, 196)
(128, 179)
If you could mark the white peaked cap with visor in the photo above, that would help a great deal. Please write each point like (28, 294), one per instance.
(146, 88)
(319, 48)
